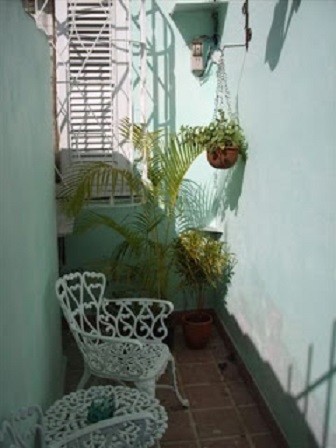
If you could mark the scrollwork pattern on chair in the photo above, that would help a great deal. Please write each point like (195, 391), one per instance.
(137, 418)
(144, 319)
(124, 360)
(138, 421)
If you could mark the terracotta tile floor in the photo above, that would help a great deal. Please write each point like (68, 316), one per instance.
(223, 412)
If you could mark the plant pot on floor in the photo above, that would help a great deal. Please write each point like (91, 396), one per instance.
(197, 328)
(223, 158)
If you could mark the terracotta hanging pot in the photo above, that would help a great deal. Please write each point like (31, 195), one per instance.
(197, 329)
(223, 158)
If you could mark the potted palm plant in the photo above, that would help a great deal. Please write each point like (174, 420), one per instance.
(223, 139)
(168, 202)
(147, 234)
(201, 261)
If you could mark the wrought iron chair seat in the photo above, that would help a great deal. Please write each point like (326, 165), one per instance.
(119, 339)
(135, 362)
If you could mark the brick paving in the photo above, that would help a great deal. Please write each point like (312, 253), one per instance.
(223, 411)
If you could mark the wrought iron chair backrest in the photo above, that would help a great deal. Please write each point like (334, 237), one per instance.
(143, 318)
(81, 296)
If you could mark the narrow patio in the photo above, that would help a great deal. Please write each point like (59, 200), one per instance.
(225, 410)
(275, 211)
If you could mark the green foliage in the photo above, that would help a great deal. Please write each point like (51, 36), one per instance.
(220, 133)
(201, 261)
(170, 205)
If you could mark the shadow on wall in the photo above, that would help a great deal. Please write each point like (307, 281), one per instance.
(326, 379)
(279, 29)
(161, 64)
(285, 406)
(231, 187)
(200, 22)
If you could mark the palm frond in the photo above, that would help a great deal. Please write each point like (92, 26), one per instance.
(196, 206)
(171, 204)
(92, 220)
(141, 139)
(96, 179)
(152, 262)
(145, 222)
(176, 161)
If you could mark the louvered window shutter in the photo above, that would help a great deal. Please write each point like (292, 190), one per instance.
(91, 79)
(100, 73)
(93, 83)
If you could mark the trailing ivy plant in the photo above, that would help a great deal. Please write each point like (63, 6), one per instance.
(217, 135)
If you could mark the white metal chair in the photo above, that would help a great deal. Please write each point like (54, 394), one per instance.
(26, 429)
(119, 339)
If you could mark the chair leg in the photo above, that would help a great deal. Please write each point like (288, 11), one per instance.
(183, 401)
(84, 379)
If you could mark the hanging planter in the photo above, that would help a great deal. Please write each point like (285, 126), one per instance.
(223, 158)
(223, 139)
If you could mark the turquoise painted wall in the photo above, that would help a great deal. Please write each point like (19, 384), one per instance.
(30, 344)
(282, 226)
(278, 212)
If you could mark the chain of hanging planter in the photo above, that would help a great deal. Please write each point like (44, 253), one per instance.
(223, 96)
(225, 128)
(225, 153)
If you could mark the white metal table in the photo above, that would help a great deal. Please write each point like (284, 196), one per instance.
(70, 413)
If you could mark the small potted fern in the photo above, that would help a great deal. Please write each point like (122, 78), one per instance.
(223, 139)
(201, 261)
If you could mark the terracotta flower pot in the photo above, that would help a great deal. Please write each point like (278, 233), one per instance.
(223, 158)
(197, 327)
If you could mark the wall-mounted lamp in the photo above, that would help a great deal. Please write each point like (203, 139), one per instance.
(197, 57)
